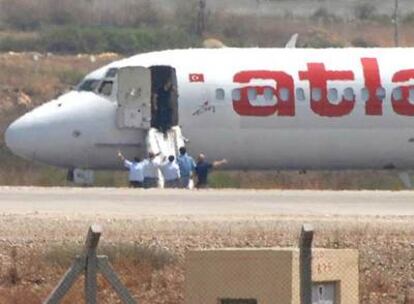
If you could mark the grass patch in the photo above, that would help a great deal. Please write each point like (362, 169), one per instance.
(224, 180)
(75, 39)
(135, 253)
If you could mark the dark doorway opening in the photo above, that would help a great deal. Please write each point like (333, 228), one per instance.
(164, 102)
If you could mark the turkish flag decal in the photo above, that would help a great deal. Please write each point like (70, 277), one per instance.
(196, 77)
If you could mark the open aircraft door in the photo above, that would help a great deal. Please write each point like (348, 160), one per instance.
(134, 98)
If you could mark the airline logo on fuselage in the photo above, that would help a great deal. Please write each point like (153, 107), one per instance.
(318, 76)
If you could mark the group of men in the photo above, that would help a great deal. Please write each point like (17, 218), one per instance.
(177, 173)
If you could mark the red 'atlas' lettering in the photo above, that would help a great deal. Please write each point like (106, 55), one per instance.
(318, 78)
(372, 82)
(403, 107)
(283, 80)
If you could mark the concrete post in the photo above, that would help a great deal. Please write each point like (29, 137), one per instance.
(90, 264)
(305, 264)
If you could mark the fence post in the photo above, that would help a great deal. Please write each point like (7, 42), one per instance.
(305, 264)
(92, 240)
(113, 279)
(66, 282)
(90, 264)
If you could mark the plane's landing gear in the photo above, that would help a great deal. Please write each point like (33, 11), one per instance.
(81, 177)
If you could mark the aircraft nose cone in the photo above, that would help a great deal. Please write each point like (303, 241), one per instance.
(16, 139)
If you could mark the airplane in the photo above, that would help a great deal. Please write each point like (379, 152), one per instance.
(276, 108)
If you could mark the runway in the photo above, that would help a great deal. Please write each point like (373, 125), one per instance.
(129, 203)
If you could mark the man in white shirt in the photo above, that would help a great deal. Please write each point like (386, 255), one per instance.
(171, 173)
(136, 171)
(151, 171)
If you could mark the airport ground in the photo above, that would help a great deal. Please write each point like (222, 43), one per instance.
(147, 233)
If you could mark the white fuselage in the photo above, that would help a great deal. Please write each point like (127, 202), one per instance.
(283, 119)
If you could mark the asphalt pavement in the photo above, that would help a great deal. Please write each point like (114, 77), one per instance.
(130, 203)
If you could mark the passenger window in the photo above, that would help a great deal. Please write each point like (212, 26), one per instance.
(397, 94)
(316, 94)
(349, 94)
(364, 94)
(300, 94)
(252, 94)
(268, 94)
(236, 95)
(284, 94)
(220, 94)
(106, 88)
(333, 95)
(381, 93)
(411, 94)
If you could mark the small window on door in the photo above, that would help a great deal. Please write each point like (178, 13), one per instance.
(411, 94)
(220, 94)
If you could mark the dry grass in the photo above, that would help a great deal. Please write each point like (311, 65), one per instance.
(149, 254)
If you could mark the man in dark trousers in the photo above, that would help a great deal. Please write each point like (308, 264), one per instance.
(187, 167)
(203, 168)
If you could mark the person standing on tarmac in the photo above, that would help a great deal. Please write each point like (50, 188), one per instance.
(136, 171)
(171, 173)
(151, 171)
(203, 168)
(187, 167)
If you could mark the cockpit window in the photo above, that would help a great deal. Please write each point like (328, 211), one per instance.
(111, 73)
(88, 85)
(106, 88)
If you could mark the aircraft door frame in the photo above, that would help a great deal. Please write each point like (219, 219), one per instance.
(134, 98)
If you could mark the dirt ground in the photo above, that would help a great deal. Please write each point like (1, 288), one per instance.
(148, 251)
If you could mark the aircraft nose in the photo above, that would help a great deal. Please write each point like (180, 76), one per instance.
(17, 138)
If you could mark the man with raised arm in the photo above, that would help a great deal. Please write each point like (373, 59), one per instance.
(136, 170)
(203, 168)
